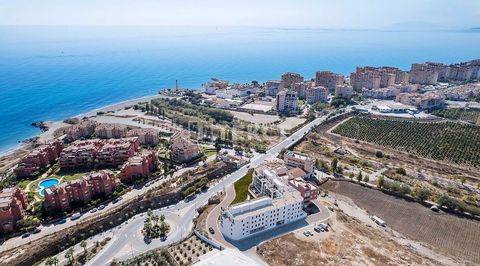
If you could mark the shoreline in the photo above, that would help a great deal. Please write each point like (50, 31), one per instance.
(54, 125)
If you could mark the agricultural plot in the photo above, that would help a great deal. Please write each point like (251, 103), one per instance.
(449, 234)
(448, 141)
(471, 116)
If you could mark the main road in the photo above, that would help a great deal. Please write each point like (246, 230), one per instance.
(127, 240)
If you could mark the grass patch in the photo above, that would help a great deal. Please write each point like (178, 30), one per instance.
(210, 153)
(71, 177)
(241, 187)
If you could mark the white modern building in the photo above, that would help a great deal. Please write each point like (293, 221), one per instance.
(255, 216)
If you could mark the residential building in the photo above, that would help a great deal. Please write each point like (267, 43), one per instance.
(39, 158)
(140, 165)
(344, 92)
(381, 93)
(84, 129)
(182, 148)
(307, 190)
(425, 73)
(111, 131)
(248, 218)
(288, 79)
(300, 88)
(296, 159)
(316, 94)
(287, 101)
(146, 136)
(213, 86)
(62, 196)
(87, 153)
(272, 87)
(328, 80)
(422, 101)
(365, 80)
(13, 203)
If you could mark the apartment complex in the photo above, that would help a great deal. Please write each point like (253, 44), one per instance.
(296, 159)
(300, 88)
(61, 197)
(272, 87)
(421, 101)
(289, 78)
(316, 94)
(87, 153)
(255, 216)
(111, 131)
(13, 203)
(344, 91)
(429, 73)
(213, 86)
(39, 158)
(182, 148)
(287, 101)
(81, 130)
(146, 136)
(140, 165)
(328, 80)
(382, 93)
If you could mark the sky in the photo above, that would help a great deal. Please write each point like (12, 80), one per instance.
(263, 13)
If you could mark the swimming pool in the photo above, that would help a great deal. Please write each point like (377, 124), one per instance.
(46, 184)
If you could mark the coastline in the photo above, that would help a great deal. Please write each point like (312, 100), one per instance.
(54, 125)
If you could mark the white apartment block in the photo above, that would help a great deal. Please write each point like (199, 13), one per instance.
(259, 215)
(287, 101)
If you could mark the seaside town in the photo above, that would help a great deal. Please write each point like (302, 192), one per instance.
(284, 172)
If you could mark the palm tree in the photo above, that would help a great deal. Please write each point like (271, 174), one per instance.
(51, 261)
(83, 244)
(69, 256)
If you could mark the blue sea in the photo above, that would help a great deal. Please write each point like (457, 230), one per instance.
(51, 73)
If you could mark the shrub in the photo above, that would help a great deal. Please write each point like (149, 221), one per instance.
(378, 154)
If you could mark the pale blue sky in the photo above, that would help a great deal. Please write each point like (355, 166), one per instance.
(284, 13)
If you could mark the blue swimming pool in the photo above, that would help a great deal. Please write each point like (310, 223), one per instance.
(46, 184)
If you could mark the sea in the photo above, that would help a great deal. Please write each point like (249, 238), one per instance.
(56, 72)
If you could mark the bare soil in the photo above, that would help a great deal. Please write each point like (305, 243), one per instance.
(444, 233)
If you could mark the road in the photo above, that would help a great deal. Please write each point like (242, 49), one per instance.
(127, 240)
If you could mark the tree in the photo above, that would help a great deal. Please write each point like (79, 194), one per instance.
(379, 154)
(69, 256)
(366, 179)
(334, 165)
(51, 261)
(380, 181)
(421, 193)
(359, 176)
(83, 244)
(351, 175)
(445, 200)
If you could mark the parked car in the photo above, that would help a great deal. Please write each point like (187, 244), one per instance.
(93, 210)
(116, 200)
(211, 230)
(76, 216)
(309, 233)
(306, 234)
(101, 207)
(61, 221)
(36, 230)
(434, 208)
(27, 234)
(316, 229)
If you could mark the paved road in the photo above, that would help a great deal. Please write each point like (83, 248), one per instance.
(127, 241)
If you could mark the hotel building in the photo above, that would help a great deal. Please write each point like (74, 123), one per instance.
(13, 203)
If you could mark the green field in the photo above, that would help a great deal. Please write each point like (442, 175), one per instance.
(241, 187)
(449, 141)
(472, 116)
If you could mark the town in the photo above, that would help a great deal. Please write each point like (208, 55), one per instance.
(232, 170)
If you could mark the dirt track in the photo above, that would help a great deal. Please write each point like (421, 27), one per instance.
(448, 234)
